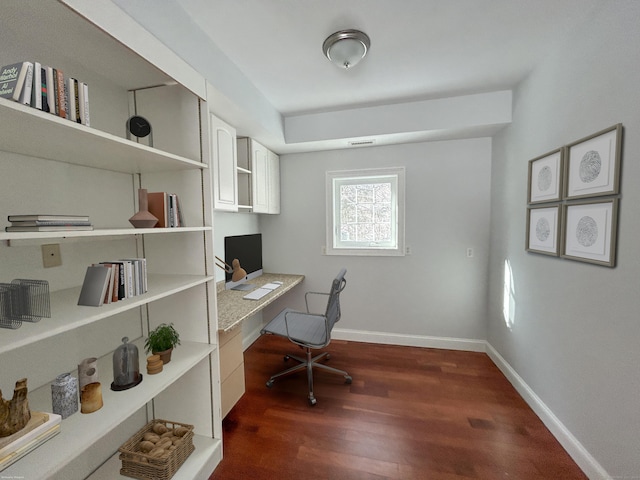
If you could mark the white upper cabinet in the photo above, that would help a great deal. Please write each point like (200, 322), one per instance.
(264, 166)
(224, 165)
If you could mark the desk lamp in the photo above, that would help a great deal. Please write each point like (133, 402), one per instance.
(238, 273)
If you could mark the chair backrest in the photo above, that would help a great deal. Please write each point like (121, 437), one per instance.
(333, 304)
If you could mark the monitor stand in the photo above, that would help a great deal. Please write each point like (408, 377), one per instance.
(244, 287)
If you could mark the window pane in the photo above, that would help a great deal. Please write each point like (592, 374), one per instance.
(365, 212)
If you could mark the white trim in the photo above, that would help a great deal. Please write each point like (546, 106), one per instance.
(574, 448)
(471, 345)
(248, 339)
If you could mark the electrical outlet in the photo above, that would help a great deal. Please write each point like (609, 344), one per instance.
(407, 250)
(469, 252)
(51, 255)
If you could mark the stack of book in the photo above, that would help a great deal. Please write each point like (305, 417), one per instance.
(40, 428)
(166, 208)
(108, 282)
(47, 89)
(48, 223)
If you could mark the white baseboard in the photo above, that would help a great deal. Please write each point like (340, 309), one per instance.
(251, 337)
(580, 455)
(471, 345)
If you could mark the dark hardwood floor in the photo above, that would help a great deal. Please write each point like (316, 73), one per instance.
(410, 413)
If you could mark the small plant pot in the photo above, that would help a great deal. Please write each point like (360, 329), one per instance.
(165, 356)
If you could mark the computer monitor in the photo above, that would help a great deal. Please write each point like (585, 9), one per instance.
(248, 250)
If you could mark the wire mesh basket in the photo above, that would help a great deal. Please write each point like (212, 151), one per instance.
(9, 306)
(23, 300)
(34, 299)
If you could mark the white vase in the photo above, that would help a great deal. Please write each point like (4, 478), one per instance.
(64, 395)
(88, 371)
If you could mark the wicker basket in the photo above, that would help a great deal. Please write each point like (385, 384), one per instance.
(137, 464)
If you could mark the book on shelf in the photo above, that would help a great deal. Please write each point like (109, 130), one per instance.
(86, 119)
(166, 208)
(36, 93)
(52, 223)
(114, 284)
(51, 90)
(48, 218)
(60, 95)
(94, 286)
(71, 99)
(44, 94)
(130, 277)
(12, 80)
(25, 96)
(20, 443)
(51, 228)
(46, 88)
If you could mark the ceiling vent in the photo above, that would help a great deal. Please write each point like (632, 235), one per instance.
(361, 143)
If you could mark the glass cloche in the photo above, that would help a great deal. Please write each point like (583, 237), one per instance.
(126, 366)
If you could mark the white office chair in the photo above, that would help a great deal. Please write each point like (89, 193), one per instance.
(309, 331)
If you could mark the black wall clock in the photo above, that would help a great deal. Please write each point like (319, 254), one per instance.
(139, 127)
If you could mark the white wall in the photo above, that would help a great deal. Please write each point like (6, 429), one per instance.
(435, 291)
(575, 337)
(226, 224)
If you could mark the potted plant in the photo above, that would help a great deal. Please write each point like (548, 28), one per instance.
(162, 340)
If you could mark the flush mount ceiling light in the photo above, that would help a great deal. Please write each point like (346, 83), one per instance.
(346, 47)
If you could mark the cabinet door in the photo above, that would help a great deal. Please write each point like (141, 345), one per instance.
(259, 178)
(274, 182)
(224, 163)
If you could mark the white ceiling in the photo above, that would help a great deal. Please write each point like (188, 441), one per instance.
(420, 49)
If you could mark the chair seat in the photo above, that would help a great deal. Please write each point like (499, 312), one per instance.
(303, 327)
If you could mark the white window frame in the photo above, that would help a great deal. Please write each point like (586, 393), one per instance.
(336, 178)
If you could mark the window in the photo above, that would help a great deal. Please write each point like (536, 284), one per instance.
(365, 212)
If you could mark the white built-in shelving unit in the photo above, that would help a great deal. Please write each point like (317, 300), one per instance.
(51, 165)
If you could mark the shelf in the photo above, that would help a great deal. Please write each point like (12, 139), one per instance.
(66, 315)
(78, 431)
(101, 232)
(200, 463)
(29, 131)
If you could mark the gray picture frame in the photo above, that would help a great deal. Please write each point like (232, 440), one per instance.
(590, 230)
(545, 178)
(592, 165)
(544, 224)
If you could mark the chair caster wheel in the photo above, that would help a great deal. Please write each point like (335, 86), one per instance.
(348, 380)
(312, 401)
(269, 383)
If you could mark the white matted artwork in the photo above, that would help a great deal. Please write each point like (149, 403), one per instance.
(590, 231)
(543, 230)
(593, 164)
(545, 177)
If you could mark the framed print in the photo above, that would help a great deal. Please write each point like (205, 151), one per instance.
(589, 233)
(593, 164)
(543, 230)
(545, 177)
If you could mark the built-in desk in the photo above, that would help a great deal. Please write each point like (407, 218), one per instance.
(232, 310)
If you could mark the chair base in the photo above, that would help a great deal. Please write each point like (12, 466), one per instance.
(308, 364)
